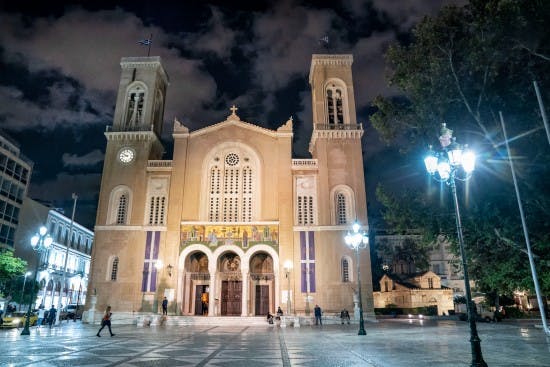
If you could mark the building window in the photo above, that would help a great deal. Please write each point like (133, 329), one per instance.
(341, 212)
(114, 269)
(122, 209)
(335, 109)
(119, 206)
(305, 207)
(135, 104)
(430, 283)
(157, 210)
(345, 270)
(231, 189)
(386, 286)
(342, 205)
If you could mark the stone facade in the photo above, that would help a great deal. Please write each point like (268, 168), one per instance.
(232, 224)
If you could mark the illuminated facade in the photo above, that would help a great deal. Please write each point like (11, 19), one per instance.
(212, 228)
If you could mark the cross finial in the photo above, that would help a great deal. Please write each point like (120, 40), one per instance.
(233, 110)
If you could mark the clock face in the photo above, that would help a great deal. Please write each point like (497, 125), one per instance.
(126, 155)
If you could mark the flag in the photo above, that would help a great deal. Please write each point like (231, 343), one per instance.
(145, 42)
(324, 40)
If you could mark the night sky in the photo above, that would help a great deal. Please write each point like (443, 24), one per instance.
(60, 69)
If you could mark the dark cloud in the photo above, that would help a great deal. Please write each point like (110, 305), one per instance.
(61, 70)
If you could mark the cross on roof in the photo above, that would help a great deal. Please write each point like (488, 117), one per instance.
(233, 110)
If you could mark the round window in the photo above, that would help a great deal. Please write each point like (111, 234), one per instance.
(232, 159)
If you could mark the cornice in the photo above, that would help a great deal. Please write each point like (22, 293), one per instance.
(130, 135)
(329, 60)
(333, 134)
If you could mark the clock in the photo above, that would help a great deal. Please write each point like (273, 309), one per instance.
(126, 155)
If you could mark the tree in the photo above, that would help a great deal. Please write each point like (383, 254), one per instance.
(10, 268)
(462, 67)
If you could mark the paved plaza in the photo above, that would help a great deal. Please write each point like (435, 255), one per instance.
(392, 342)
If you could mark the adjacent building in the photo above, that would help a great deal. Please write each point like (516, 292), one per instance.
(15, 174)
(232, 224)
(70, 240)
(420, 290)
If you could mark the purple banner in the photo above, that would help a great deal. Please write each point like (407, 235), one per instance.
(307, 260)
(152, 244)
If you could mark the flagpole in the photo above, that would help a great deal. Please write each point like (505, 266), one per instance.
(150, 42)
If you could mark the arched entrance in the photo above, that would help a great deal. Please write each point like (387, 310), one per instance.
(261, 283)
(197, 284)
(229, 270)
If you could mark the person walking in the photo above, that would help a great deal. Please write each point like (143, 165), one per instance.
(344, 315)
(106, 321)
(51, 316)
(318, 313)
(164, 306)
(41, 313)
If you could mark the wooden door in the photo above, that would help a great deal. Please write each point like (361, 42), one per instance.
(231, 298)
(198, 302)
(262, 300)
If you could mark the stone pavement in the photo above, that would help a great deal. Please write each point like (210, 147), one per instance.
(394, 342)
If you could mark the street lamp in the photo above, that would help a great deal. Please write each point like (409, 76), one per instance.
(358, 241)
(288, 269)
(40, 242)
(456, 162)
(23, 290)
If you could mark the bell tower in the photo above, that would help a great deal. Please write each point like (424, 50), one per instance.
(132, 140)
(336, 141)
(141, 95)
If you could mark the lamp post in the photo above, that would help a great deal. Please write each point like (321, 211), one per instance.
(455, 162)
(358, 241)
(23, 290)
(288, 269)
(40, 242)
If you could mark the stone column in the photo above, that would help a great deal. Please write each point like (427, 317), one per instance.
(212, 294)
(244, 301)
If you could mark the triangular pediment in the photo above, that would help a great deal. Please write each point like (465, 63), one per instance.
(233, 120)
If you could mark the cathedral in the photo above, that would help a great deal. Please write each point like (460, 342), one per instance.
(232, 225)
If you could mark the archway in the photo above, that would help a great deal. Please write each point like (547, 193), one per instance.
(262, 283)
(197, 284)
(229, 270)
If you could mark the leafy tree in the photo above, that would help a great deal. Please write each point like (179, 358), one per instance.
(463, 67)
(10, 268)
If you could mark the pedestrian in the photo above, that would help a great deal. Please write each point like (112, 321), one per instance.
(279, 311)
(106, 321)
(344, 316)
(165, 306)
(51, 316)
(269, 317)
(317, 312)
(41, 313)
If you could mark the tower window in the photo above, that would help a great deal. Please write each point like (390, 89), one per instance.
(335, 105)
(345, 270)
(114, 269)
(341, 213)
(122, 209)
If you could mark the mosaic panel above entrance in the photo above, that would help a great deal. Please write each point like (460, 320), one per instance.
(243, 236)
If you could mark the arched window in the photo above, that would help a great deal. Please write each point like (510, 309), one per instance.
(232, 185)
(345, 270)
(135, 105)
(335, 103)
(342, 205)
(119, 206)
(114, 269)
